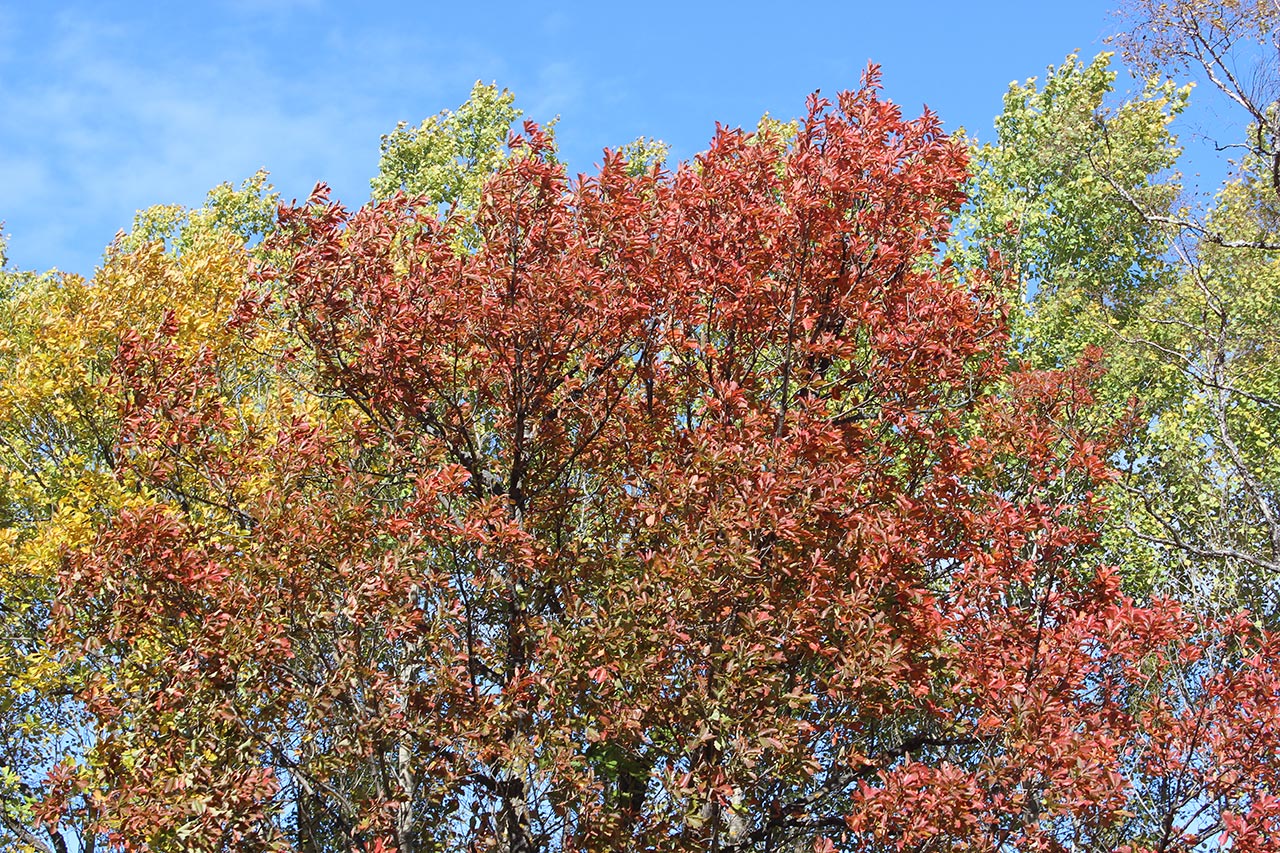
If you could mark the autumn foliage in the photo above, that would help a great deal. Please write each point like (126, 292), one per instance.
(691, 510)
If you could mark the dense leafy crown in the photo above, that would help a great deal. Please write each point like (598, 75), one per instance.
(689, 510)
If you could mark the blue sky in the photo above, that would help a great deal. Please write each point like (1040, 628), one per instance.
(109, 107)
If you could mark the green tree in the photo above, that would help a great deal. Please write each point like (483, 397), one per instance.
(1217, 328)
(448, 157)
(1078, 195)
(1043, 194)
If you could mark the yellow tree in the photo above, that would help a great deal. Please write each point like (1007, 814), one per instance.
(58, 472)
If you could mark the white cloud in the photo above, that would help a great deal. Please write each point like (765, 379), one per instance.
(102, 114)
(99, 131)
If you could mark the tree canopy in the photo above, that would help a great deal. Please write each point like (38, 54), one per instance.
(851, 486)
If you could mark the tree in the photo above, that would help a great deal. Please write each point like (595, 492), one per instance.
(32, 708)
(1077, 191)
(1234, 45)
(679, 511)
(1045, 195)
(1108, 250)
(446, 160)
(1217, 329)
(1082, 264)
(58, 434)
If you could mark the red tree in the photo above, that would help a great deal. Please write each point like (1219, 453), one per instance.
(690, 511)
